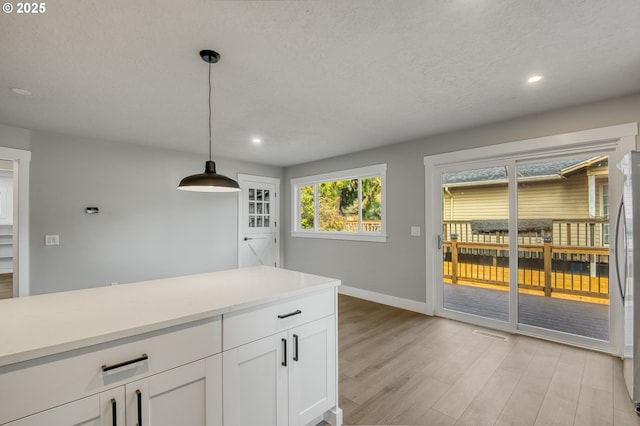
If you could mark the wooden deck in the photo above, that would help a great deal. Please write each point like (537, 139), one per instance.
(569, 286)
(569, 316)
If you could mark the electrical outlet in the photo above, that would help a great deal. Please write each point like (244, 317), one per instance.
(415, 231)
(52, 240)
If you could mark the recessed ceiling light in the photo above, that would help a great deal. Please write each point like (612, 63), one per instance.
(534, 78)
(22, 92)
(256, 140)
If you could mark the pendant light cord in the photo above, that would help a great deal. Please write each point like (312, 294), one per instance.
(209, 111)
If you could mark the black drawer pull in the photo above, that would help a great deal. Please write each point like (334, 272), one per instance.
(106, 367)
(114, 412)
(295, 348)
(139, 398)
(290, 314)
(284, 348)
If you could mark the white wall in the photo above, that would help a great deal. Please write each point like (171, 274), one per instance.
(146, 228)
(397, 268)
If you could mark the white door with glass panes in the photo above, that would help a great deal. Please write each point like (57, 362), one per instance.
(258, 221)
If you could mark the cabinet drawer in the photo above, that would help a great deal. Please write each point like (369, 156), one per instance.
(251, 324)
(42, 383)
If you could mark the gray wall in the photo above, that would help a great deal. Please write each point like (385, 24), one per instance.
(146, 228)
(397, 268)
(14, 137)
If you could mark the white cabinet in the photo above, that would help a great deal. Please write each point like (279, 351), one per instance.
(286, 378)
(312, 370)
(177, 369)
(255, 383)
(95, 410)
(247, 347)
(187, 395)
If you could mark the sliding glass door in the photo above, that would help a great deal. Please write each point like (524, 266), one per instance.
(524, 245)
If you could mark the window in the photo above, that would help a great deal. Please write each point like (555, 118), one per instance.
(349, 204)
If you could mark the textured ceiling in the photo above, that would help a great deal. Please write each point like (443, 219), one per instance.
(313, 79)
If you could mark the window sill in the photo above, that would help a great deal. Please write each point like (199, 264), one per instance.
(342, 236)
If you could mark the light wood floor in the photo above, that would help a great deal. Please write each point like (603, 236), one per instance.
(6, 286)
(403, 368)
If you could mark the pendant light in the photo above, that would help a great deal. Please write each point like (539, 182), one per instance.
(209, 181)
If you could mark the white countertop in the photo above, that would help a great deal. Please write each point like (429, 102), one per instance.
(36, 326)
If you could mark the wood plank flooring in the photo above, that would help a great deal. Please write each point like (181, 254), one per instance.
(402, 368)
(6, 286)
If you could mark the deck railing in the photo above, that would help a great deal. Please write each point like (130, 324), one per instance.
(593, 232)
(367, 226)
(546, 267)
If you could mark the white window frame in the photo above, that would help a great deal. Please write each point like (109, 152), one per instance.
(358, 173)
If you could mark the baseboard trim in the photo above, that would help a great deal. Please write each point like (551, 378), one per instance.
(385, 299)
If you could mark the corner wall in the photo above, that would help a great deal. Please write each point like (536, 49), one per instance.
(395, 271)
(146, 228)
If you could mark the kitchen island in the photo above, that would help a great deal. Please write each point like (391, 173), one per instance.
(238, 347)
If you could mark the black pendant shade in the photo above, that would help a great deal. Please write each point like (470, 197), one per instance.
(209, 181)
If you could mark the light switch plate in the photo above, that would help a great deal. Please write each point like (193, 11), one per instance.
(52, 240)
(415, 231)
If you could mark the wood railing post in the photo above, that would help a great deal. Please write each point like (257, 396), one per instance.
(547, 265)
(454, 258)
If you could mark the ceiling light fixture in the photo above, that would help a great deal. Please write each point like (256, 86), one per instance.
(21, 92)
(256, 140)
(534, 79)
(209, 181)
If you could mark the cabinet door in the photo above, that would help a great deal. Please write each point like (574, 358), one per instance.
(255, 383)
(105, 409)
(188, 395)
(312, 373)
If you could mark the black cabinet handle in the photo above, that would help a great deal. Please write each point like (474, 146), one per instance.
(295, 347)
(290, 314)
(106, 367)
(114, 412)
(284, 348)
(139, 397)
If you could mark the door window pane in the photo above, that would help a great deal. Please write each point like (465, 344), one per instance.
(563, 260)
(475, 212)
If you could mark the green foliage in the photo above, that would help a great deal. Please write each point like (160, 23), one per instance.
(371, 198)
(338, 204)
(307, 207)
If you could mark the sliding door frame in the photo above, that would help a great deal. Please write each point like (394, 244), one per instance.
(616, 140)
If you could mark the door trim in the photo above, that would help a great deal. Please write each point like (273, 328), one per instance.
(21, 162)
(242, 179)
(620, 139)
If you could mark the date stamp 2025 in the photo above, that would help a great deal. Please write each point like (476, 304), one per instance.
(24, 8)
